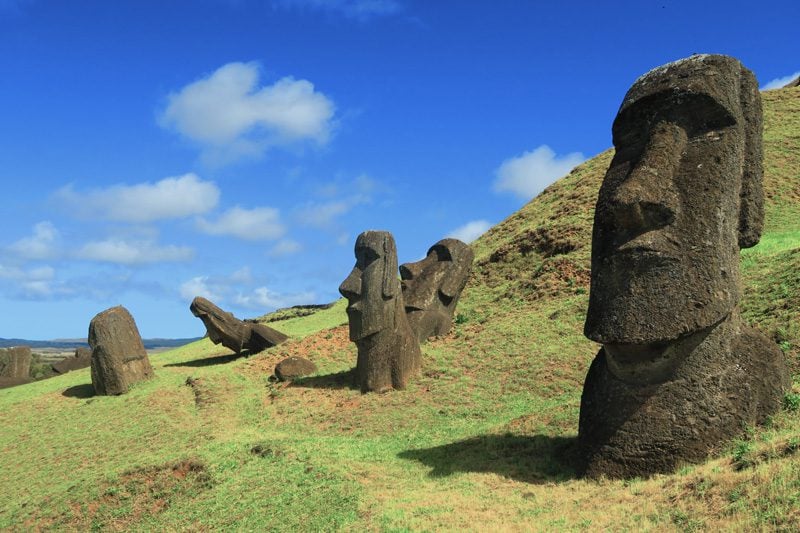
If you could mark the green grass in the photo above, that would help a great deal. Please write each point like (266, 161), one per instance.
(484, 439)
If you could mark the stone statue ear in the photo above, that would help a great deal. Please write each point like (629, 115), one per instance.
(457, 276)
(751, 203)
(391, 285)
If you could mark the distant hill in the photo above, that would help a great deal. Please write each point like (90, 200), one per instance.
(69, 344)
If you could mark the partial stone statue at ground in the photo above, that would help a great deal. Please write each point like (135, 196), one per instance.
(388, 351)
(432, 286)
(82, 359)
(794, 83)
(679, 372)
(119, 359)
(237, 335)
(294, 367)
(16, 362)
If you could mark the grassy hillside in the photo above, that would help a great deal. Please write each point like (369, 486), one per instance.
(483, 440)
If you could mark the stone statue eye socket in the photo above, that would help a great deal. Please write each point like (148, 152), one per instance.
(365, 257)
(442, 253)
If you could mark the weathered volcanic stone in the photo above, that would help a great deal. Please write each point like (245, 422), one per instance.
(118, 356)
(432, 286)
(388, 351)
(18, 362)
(679, 373)
(294, 367)
(237, 335)
(794, 83)
(6, 382)
(82, 359)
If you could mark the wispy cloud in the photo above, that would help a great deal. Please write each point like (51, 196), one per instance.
(241, 292)
(777, 83)
(323, 214)
(30, 284)
(40, 245)
(355, 9)
(470, 231)
(132, 252)
(260, 223)
(170, 198)
(284, 248)
(528, 174)
(265, 299)
(230, 116)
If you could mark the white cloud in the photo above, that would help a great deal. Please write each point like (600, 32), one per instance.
(284, 248)
(229, 116)
(263, 298)
(173, 197)
(777, 83)
(470, 231)
(40, 245)
(132, 252)
(527, 175)
(198, 286)
(355, 9)
(36, 283)
(260, 223)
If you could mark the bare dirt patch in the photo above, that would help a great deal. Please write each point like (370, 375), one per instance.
(134, 496)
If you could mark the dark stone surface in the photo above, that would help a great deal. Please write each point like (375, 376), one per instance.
(679, 374)
(118, 356)
(82, 359)
(294, 367)
(17, 362)
(388, 351)
(237, 335)
(432, 286)
(794, 83)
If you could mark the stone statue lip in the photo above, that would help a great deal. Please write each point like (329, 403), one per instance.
(652, 244)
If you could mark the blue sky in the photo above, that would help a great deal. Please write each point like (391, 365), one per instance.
(155, 151)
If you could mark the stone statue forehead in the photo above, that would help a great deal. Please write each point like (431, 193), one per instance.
(709, 78)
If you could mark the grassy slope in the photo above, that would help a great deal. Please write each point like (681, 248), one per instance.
(482, 440)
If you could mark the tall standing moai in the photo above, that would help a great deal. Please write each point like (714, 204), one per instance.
(432, 286)
(388, 351)
(679, 372)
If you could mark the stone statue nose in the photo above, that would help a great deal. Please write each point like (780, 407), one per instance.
(409, 270)
(648, 198)
(351, 286)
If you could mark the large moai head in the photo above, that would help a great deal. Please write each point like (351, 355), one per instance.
(222, 327)
(682, 195)
(432, 286)
(372, 286)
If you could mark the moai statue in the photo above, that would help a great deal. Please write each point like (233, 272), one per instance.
(118, 356)
(679, 373)
(432, 286)
(388, 351)
(18, 362)
(224, 328)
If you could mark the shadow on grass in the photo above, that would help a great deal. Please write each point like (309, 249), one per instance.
(531, 459)
(339, 380)
(216, 360)
(79, 391)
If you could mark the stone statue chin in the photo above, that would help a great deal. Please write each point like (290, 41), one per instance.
(679, 372)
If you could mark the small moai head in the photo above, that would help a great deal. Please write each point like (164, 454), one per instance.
(372, 285)
(436, 281)
(682, 195)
